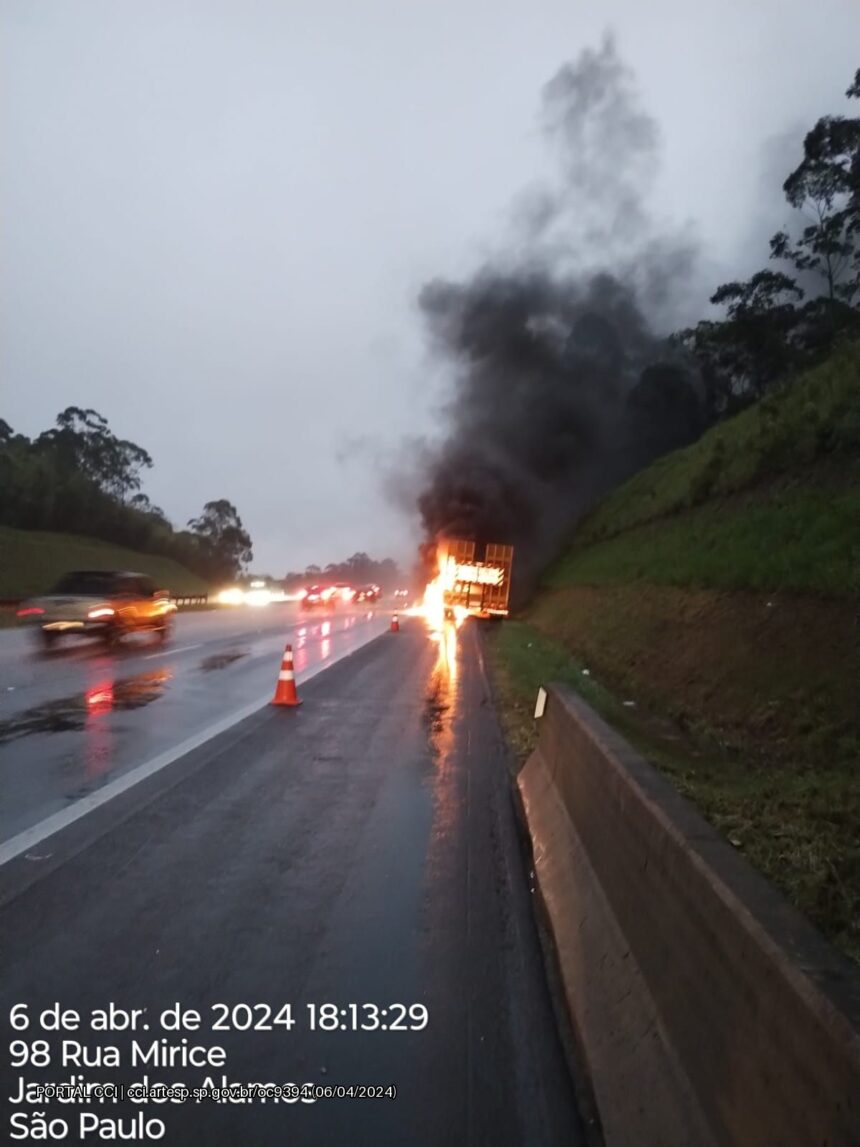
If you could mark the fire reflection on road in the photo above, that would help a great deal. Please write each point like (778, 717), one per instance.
(442, 689)
(441, 709)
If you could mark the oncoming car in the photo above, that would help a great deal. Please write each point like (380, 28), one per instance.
(100, 603)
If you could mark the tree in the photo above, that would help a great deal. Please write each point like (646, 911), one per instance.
(142, 503)
(360, 569)
(753, 347)
(293, 580)
(825, 187)
(223, 540)
(83, 441)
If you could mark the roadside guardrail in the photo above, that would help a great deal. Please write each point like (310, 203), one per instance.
(707, 1009)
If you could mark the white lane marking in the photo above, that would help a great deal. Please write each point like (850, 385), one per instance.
(167, 652)
(31, 837)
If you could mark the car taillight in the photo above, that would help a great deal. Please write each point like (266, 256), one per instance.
(30, 611)
(100, 611)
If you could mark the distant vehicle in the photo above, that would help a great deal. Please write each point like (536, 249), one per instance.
(367, 593)
(343, 591)
(100, 603)
(317, 597)
(258, 594)
(401, 593)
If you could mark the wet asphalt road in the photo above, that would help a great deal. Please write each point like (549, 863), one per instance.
(359, 850)
(75, 719)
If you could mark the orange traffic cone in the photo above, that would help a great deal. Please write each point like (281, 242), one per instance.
(285, 690)
(395, 624)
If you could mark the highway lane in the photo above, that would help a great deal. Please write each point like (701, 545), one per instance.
(362, 849)
(75, 719)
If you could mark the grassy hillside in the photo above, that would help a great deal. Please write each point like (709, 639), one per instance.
(708, 608)
(800, 534)
(769, 500)
(813, 418)
(31, 561)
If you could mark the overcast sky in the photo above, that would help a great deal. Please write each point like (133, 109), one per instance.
(216, 216)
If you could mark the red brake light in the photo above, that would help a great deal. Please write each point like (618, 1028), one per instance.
(30, 611)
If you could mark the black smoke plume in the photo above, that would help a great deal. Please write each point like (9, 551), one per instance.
(562, 388)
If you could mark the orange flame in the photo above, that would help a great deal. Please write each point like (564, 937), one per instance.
(434, 608)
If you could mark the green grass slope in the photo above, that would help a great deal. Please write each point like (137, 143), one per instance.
(800, 535)
(708, 609)
(812, 417)
(31, 561)
(768, 500)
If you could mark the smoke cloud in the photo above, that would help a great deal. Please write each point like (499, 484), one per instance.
(561, 384)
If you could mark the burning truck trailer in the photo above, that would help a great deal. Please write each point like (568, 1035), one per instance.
(473, 587)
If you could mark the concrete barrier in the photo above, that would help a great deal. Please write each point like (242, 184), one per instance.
(709, 1012)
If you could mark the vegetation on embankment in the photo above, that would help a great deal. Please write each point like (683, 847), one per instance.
(713, 602)
(31, 562)
(797, 535)
(769, 499)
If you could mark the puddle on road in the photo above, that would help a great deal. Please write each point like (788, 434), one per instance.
(222, 660)
(72, 714)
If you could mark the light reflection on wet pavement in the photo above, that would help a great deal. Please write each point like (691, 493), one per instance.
(441, 713)
(72, 714)
(120, 709)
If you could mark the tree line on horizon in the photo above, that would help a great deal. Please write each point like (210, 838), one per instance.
(79, 478)
(360, 569)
